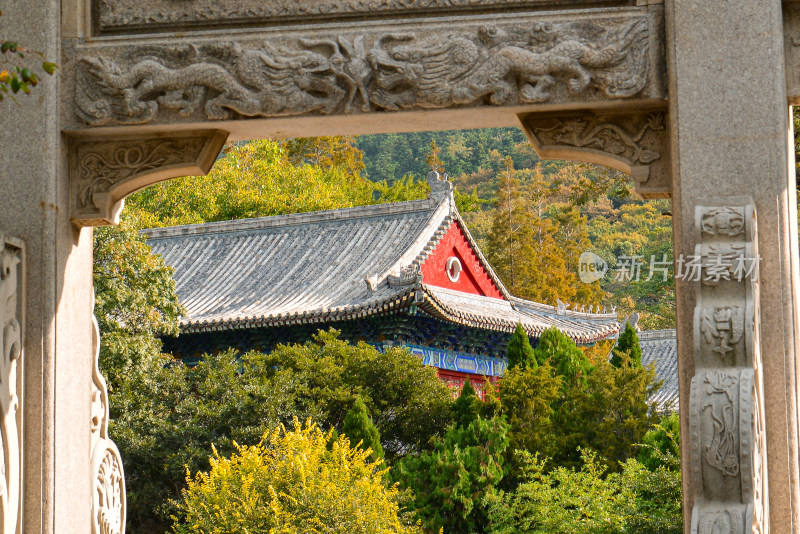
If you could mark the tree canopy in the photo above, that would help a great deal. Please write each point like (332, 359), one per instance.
(293, 482)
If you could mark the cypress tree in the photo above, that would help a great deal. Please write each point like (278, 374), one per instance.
(628, 343)
(358, 427)
(466, 407)
(519, 350)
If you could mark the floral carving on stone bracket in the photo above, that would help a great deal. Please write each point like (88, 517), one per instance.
(105, 170)
(634, 143)
(500, 64)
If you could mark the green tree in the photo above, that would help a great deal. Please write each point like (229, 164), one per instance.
(527, 396)
(607, 412)
(566, 359)
(135, 300)
(590, 499)
(467, 406)
(292, 482)
(167, 415)
(325, 152)
(358, 427)
(519, 351)
(453, 485)
(562, 500)
(510, 241)
(409, 405)
(662, 443)
(253, 179)
(628, 343)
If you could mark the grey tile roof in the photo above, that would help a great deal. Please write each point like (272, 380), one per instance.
(334, 265)
(660, 347)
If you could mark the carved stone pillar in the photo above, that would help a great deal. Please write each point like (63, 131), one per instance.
(730, 136)
(726, 421)
(12, 319)
(108, 476)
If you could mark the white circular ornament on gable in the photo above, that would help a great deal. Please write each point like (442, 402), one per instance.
(453, 269)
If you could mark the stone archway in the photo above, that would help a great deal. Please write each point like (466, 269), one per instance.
(690, 99)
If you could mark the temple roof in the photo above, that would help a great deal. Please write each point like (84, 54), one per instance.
(337, 265)
(660, 347)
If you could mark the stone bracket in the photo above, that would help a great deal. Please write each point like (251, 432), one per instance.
(104, 170)
(636, 143)
(726, 420)
(12, 337)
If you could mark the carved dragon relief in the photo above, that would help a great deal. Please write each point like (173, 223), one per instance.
(108, 495)
(132, 15)
(12, 271)
(727, 448)
(105, 170)
(634, 143)
(500, 65)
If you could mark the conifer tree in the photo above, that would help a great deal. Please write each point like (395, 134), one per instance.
(467, 406)
(519, 351)
(563, 354)
(361, 431)
(628, 342)
(453, 485)
(433, 160)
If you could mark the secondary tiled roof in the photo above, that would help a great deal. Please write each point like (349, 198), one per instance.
(338, 264)
(660, 347)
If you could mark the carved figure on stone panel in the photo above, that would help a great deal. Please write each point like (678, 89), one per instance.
(10, 365)
(223, 79)
(723, 327)
(440, 71)
(722, 453)
(720, 521)
(725, 220)
(348, 73)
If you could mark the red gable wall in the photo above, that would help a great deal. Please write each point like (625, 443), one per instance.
(473, 279)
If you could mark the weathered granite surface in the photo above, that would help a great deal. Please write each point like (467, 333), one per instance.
(500, 60)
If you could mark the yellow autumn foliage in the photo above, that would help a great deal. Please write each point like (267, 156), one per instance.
(300, 481)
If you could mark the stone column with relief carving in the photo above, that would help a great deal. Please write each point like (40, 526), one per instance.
(726, 432)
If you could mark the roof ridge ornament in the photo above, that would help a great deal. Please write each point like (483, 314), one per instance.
(441, 186)
(408, 276)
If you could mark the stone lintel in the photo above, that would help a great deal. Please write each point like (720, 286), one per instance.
(105, 169)
(636, 143)
(366, 70)
(150, 16)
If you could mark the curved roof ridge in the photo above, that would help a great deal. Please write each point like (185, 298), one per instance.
(428, 234)
(293, 219)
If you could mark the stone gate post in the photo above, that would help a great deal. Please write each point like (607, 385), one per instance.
(45, 282)
(734, 197)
